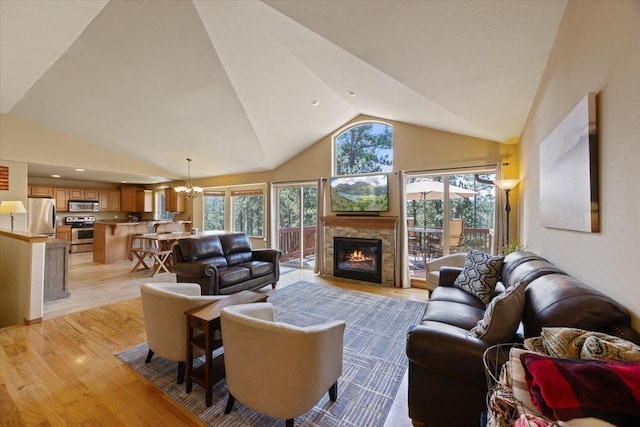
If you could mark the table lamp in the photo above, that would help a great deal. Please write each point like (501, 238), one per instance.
(11, 207)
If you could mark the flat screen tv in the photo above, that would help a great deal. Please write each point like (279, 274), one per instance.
(362, 193)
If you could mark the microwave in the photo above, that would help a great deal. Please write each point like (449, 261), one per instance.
(84, 206)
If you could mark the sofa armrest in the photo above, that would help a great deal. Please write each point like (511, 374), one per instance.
(448, 351)
(269, 255)
(448, 275)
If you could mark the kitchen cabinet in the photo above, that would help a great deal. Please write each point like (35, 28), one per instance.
(144, 201)
(40, 191)
(109, 201)
(128, 198)
(63, 232)
(62, 199)
(83, 194)
(173, 202)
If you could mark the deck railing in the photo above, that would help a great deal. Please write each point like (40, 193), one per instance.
(289, 242)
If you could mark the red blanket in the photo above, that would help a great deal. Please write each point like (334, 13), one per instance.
(564, 389)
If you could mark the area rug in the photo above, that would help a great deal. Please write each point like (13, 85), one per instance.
(373, 367)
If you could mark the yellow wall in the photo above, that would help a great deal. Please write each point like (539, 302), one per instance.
(596, 50)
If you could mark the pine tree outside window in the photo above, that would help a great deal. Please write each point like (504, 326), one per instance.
(364, 148)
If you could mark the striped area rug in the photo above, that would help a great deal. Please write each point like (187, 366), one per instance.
(373, 367)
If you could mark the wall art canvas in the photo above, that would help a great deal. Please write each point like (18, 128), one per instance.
(569, 171)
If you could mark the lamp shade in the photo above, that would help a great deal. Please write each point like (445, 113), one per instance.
(507, 184)
(12, 206)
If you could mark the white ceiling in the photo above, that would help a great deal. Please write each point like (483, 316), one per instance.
(230, 83)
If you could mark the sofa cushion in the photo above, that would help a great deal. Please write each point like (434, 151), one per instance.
(232, 275)
(236, 247)
(501, 320)
(200, 248)
(258, 268)
(218, 261)
(455, 314)
(480, 274)
(445, 293)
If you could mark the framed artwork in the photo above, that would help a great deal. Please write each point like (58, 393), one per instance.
(569, 171)
(4, 177)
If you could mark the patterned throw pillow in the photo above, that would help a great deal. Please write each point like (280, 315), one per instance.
(479, 275)
(502, 317)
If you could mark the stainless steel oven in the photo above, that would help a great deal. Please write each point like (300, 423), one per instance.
(81, 233)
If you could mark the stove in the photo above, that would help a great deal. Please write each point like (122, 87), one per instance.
(81, 233)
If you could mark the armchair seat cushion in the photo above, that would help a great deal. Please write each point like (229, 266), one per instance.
(232, 275)
(258, 268)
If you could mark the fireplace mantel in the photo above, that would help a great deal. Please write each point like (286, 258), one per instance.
(368, 222)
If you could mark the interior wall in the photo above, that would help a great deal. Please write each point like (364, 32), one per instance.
(596, 50)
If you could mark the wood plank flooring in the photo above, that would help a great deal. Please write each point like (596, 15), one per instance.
(63, 371)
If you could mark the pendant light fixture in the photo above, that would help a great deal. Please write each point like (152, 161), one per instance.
(188, 191)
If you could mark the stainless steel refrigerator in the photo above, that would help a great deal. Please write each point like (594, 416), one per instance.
(41, 216)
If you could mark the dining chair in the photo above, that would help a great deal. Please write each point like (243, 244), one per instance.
(435, 247)
(413, 239)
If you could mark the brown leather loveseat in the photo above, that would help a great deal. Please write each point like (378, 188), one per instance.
(225, 264)
(447, 383)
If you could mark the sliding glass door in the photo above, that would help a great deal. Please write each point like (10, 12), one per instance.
(297, 217)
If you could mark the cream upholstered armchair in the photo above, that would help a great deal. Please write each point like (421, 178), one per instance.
(163, 307)
(432, 268)
(275, 368)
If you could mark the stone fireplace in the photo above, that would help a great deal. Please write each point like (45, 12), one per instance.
(378, 228)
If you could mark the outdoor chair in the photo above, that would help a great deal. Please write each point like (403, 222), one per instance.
(435, 247)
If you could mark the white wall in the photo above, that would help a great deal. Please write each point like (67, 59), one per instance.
(597, 49)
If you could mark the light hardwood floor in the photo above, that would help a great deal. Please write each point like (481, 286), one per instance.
(63, 371)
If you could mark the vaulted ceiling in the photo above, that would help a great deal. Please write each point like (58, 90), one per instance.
(233, 82)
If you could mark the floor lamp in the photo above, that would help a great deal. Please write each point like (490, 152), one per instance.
(507, 185)
(10, 207)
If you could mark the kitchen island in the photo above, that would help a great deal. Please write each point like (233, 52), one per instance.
(112, 239)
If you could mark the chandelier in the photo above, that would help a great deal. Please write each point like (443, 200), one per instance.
(188, 191)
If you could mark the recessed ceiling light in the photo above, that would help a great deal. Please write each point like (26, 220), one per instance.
(79, 170)
(352, 93)
(315, 102)
(123, 182)
(55, 176)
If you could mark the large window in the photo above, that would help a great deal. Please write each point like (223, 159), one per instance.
(248, 212)
(160, 211)
(214, 210)
(364, 148)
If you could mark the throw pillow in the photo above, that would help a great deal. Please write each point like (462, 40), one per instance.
(479, 274)
(564, 389)
(502, 317)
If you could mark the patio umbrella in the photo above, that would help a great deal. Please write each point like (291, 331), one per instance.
(434, 190)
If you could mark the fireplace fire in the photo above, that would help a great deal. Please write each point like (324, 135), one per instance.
(359, 259)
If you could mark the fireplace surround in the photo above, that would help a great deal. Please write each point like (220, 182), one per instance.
(381, 227)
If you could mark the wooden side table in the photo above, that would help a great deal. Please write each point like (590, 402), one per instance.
(202, 324)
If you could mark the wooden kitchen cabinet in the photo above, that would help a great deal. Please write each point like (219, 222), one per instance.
(128, 198)
(40, 191)
(173, 202)
(109, 201)
(144, 201)
(63, 232)
(62, 199)
(83, 194)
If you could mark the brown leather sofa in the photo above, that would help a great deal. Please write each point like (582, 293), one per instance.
(447, 383)
(225, 264)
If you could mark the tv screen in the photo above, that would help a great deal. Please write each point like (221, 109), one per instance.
(363, 193)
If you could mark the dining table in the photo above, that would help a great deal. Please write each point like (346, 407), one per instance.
(423, 234)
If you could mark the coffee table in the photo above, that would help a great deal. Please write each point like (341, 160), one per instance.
(202, 324)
